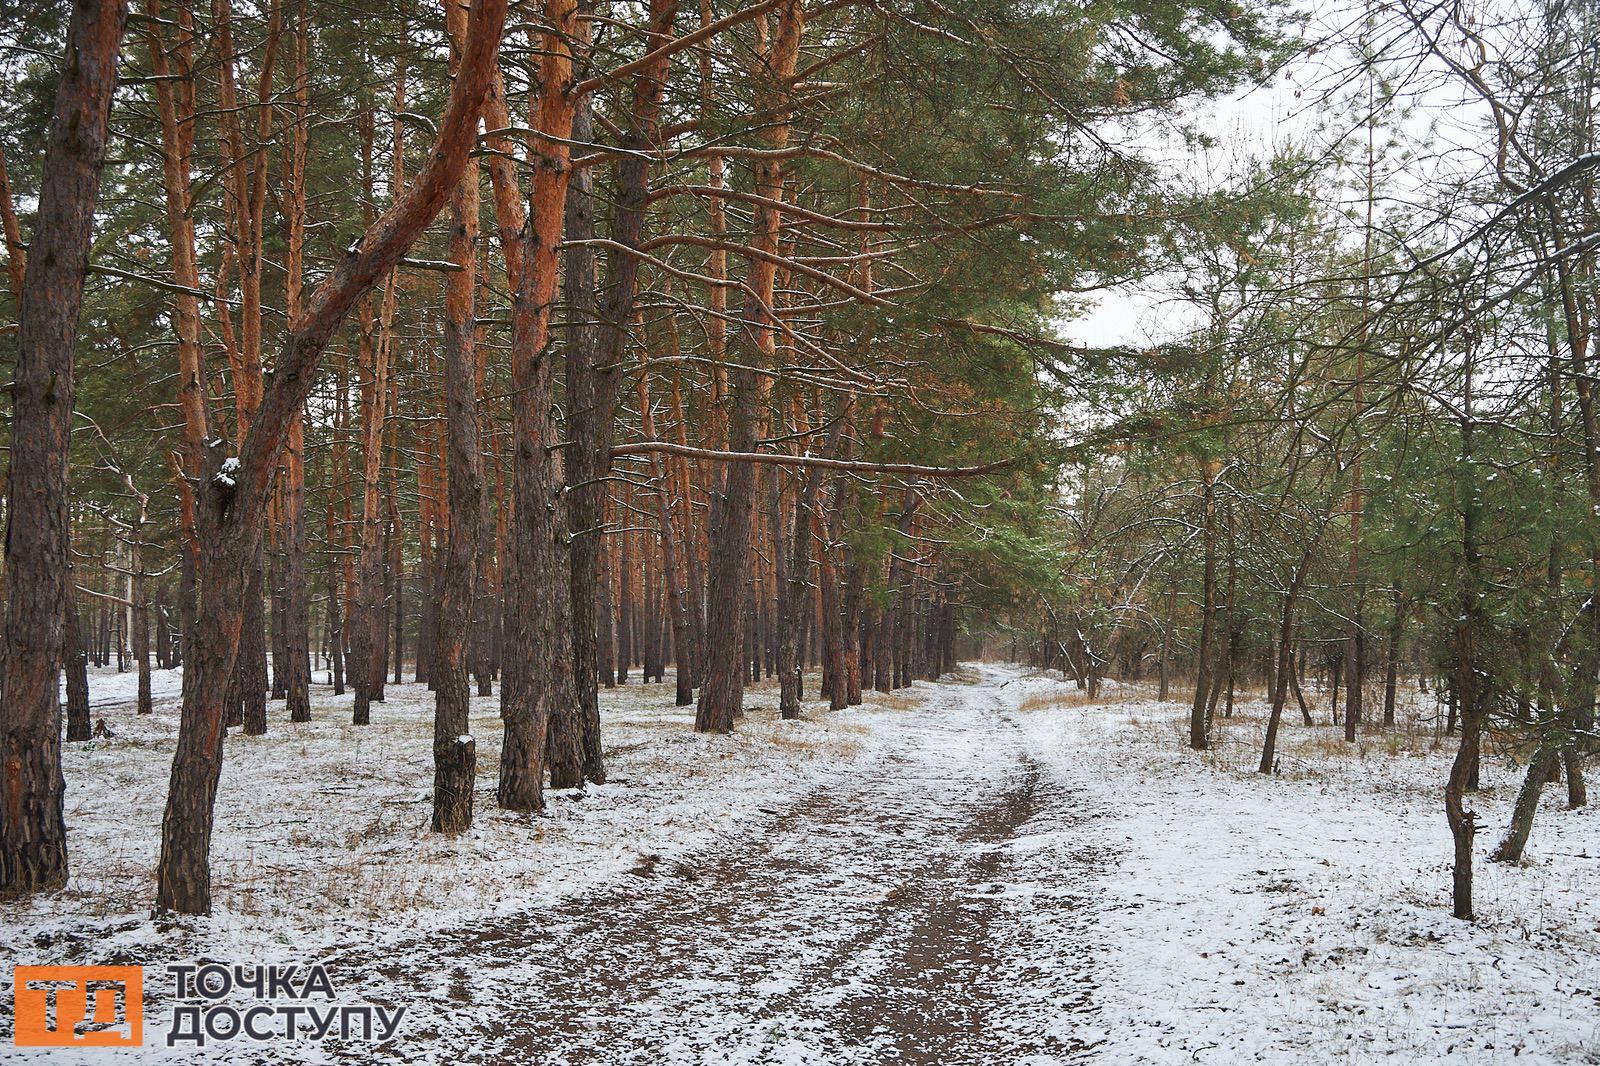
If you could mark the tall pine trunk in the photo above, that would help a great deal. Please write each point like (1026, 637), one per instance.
(296, 642)
(1468, 683)
(722, 694)
(231, 497)
(454, 751)
(366, 614)
(536, 690)
(33, 840)
(594, 368)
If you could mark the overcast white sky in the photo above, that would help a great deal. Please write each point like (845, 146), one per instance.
(1249, 123)
(1301, 103)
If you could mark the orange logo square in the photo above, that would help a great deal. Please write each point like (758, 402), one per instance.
(78, 1006)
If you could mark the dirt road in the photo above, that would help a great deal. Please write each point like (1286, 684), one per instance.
(927, 909)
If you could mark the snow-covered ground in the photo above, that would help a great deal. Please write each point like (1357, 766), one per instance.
(988, 870)
(322, 828)
(1306, 917)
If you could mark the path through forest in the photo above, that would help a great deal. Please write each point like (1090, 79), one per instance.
(929, 908)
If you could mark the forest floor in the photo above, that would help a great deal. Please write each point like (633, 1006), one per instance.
(1305, 917)
(989, 870)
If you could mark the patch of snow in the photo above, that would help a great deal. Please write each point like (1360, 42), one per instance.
(1303, 917)
(322, 829)
(1003, 869)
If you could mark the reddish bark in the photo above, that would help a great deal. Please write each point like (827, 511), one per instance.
(296, 594)
(33, 840)
(671, 551)
(538, 672)
(231, 500)
(594, 374)
(373, 368)
(722, 695)
(16, 257)
(454, 753)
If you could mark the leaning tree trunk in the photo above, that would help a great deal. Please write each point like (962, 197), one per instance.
(1284, 672)
(246, 176)
(1540, 767)
(33, 837)
(231, 497)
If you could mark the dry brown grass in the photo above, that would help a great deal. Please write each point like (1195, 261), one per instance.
(1073, 697)
(833, 745)
(1044, 701)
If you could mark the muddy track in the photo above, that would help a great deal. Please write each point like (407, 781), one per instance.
(886, 917)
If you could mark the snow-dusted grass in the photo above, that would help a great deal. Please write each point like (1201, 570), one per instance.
(1306, 916)
(322, 829)
(1153, 904)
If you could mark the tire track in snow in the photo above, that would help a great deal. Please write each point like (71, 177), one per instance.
(920, 910)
